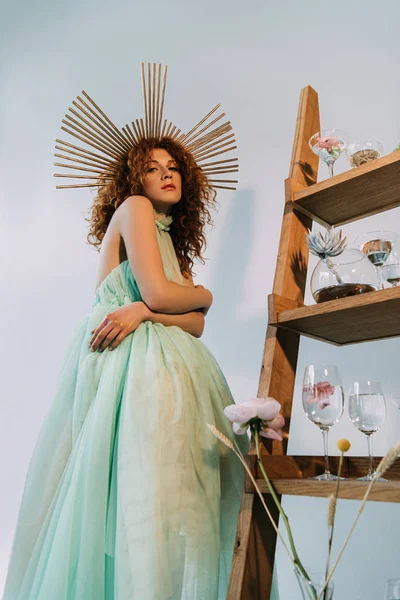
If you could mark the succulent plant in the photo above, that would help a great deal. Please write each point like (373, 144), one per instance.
(327, 245)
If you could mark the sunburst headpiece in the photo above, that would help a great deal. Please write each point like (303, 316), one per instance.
(88, 123)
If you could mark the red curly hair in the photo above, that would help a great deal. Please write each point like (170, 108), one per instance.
(190, 214)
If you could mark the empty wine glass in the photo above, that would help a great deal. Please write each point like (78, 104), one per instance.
(391, 269)
(367, 410)
(392, 590)
(377, 246)
(329, 144)
(396, 400)
(323, 403)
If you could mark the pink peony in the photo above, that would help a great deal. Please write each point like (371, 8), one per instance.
(273, 429)
(264, 409)
(319, 393)
(327, 143)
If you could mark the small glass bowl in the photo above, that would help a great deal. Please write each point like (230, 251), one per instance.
(348, 274)
(360, 153)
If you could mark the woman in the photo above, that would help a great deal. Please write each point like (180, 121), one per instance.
(129, 496)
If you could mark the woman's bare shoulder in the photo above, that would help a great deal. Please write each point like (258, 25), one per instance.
(133, 209)
(137, 204)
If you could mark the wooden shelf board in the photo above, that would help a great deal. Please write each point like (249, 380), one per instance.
(349, 489)
(290, 475)
(358, 193)
(303, 467)
(363, 318)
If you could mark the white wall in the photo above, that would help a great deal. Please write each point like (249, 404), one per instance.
(253, 57)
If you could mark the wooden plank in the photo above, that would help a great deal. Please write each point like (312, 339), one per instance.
(304, 163)
(357, 193)
(362, 318)
(278, 304)
(241, 547)
(279, 362)
(350, 490)
(251, 575)
(292, 260)
(303, 467)
(257, 581)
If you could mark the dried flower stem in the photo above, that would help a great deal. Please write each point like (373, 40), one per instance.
(240, 456)
(385, 463)
(388, 459)
(331, 523)
(296, 560)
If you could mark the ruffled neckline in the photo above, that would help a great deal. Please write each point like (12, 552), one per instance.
(163, 222)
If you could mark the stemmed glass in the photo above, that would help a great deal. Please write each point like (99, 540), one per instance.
(396, 400)
(377, 246)
(361, 153)
(367, 410)
(323, 403)
(392, 591)
(329, 144)
(391, 270)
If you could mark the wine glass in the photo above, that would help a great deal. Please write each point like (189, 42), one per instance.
(396, 400)
(377, 246)
(367, 410)
(391, 270)
(360, 153)
(323, 403)
(392, 590)
(329, 144)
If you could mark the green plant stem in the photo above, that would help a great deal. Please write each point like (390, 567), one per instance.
(296, 558)
(332, 269)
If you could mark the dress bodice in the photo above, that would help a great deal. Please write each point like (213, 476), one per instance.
(120, 287)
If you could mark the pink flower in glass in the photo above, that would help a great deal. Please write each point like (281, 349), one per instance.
(327, 143)
(320, 394)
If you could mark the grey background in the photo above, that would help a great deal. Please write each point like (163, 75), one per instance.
(253, 57)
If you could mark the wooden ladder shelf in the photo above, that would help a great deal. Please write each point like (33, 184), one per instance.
(358, 193)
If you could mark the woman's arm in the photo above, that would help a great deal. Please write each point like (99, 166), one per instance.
(191, 322)
(117, 325)
(135, 219)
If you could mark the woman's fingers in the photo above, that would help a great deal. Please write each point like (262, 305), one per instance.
(106, 341)
(116, 342)
(97, 339)
(115, 327)
(105, 323)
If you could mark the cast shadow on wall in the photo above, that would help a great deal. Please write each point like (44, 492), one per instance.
(235, 340)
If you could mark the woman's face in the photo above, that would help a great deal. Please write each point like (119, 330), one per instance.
(162, 182)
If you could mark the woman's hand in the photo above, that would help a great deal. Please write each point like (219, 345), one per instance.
(209, 299)
(117, 325)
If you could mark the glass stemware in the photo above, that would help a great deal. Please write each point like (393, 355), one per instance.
(377, 246)
(361, 153)
(391, 269)
(392, 590)
(395, 398)
(367, 410)
(329, 144)
(323, 403)
(313, 588)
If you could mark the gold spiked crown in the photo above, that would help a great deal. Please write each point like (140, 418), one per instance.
(89, 124)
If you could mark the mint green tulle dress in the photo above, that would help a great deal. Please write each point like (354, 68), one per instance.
(129, 496)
